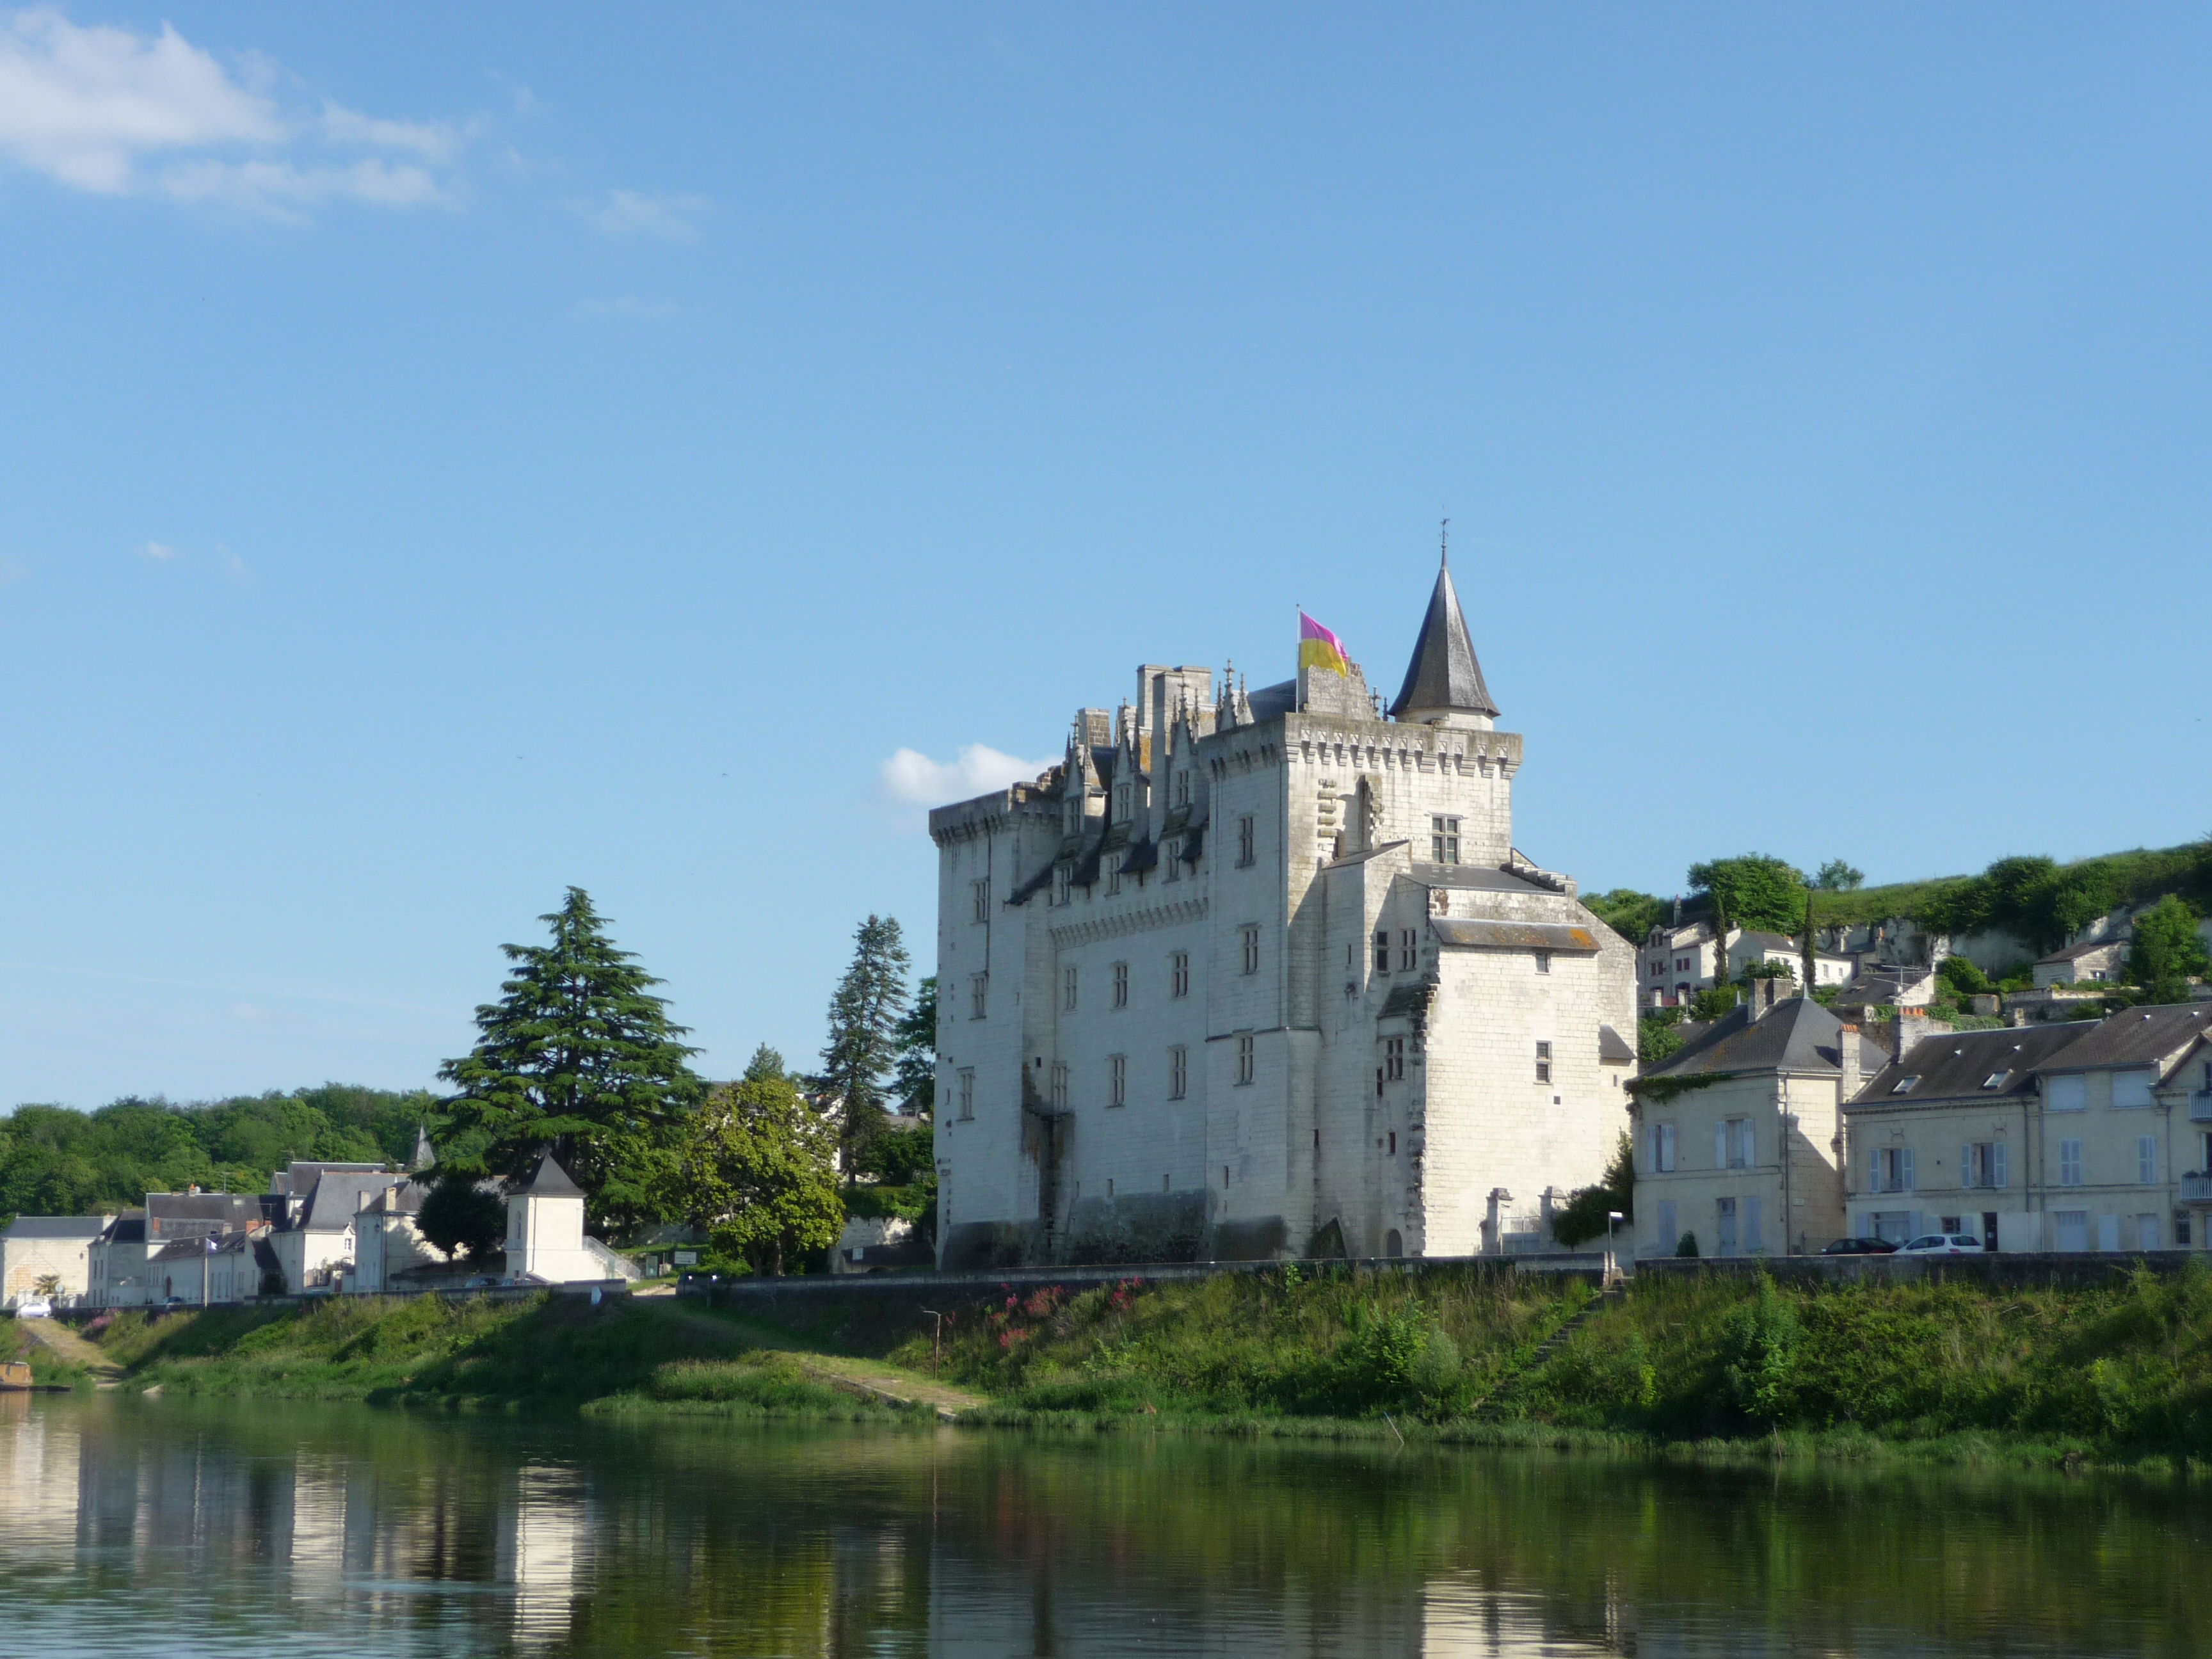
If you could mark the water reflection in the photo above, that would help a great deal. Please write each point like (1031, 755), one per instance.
(167, 1526)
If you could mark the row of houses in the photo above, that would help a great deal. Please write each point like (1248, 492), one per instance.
(321, 1228)
(1882, 964)
(1781, 1128)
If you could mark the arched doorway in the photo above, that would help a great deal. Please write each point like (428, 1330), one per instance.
(1393, 1245)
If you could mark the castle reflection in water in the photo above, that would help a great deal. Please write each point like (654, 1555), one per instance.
(168, 1526)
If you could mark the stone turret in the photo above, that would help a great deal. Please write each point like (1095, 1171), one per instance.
(1444, 683)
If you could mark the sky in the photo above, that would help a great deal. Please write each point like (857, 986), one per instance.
(451, 453)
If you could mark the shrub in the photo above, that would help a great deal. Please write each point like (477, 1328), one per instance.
(1759, 1353)
(1687, 1245)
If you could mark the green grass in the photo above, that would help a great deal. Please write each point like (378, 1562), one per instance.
(425, 1353)
(47, 1370)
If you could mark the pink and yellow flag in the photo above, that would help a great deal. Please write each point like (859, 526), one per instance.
(1319, 649)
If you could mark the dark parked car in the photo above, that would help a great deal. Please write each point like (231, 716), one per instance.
(1860, 1247)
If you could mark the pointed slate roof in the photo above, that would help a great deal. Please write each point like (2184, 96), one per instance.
(552, 1181)
(424, 1157)
(1443, 673)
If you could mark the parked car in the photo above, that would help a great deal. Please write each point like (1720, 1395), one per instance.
(1860, 1247)
(1943, 1244)
(37, 1308)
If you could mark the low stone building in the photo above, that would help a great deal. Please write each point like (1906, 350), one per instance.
(37, 1248)
(1738, 1135)
(2096, 961)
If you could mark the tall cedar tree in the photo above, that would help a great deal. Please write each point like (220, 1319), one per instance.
(754, 1169)
(579, 1058)
(864, 1036)
(916, 1080)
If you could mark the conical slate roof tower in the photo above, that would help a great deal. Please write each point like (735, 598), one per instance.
(1443, 681)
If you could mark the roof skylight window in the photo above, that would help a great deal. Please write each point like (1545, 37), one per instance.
(1996, 1079)
(1904, 1086)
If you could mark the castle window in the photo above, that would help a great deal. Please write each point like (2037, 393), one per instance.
(1068, 988)
(978, 995)
(1118, 1079)
(1246, 1061)
(1178, 1072)
(1543, 1062)
(1247, 841)
(1179, 974)
(1382, 951)
(1393, 1058)
(982, 901)
(1113, 874)
(967, 1094)
(1251, 938)
(1183, 789)
(1407, 948)
(1171, 861)
(1443, 840)
(1120, 985)
(1060, 1087)
(1543, 962)
(1059, 883)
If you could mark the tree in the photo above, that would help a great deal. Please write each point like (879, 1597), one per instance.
(864, 1035)
(914, 1079)
(2166, 951)
(1656, 1039)
(1630, 914)
(46, 1287)
(1757, 890)
(578, 1058)
(1808, 950)
(1838, 877)
(756, 1170)
(459, 1216)
(1588, 1214)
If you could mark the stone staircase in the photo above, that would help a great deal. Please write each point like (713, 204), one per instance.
(1490, 1407)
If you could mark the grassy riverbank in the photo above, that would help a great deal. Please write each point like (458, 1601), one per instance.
(1711, 1366)
(538, 1354)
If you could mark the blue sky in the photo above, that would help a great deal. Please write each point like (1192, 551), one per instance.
(448, 453)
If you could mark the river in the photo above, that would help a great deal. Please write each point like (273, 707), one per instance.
(134, 1527)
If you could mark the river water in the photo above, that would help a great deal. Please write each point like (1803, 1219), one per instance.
(173, 1527)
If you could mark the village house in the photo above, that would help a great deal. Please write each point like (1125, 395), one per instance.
(2095, 960)
(1738, 1134)
(1261, 975)
(2091, 1135)
(37, 1248)
(1678, 960)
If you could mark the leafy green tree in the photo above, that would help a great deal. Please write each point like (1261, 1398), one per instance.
(1714, 1002)
(2166, 951)
(864, 1035)
(1759, 1340)
(915, 1075)
(1757, 891)
(1656, 1039)
(1630, 914)
(1838, 877)
(459, 1216)
(1963, 979)
(579, 1058)
(1588, 1214)
(756, 1170)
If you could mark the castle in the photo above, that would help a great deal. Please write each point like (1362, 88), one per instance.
(1258, 975)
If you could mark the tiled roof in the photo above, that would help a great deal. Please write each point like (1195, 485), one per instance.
(1798, 1035)
(1954, 1064)
(2136, 1036)
(56, 1226)
(1514, 935)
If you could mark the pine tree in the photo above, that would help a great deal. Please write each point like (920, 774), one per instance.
(864, 1035)
(1811, 954)
(578, 1057)
(915, 1082)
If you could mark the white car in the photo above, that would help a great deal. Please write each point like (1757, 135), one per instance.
(1942, 1244)
(36, 1309)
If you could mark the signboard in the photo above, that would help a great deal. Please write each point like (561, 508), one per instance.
(687, 1258)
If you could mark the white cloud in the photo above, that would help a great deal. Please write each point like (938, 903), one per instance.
(912, 779)
(154, 552)
(117, 112)
(633, 213)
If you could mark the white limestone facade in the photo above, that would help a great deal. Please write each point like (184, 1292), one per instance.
(1261, 975)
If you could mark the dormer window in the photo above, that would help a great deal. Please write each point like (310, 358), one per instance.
(1905, 1086)
(1122, 792)
(1183, 789)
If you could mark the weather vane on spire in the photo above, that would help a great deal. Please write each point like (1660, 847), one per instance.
(1444, 542)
